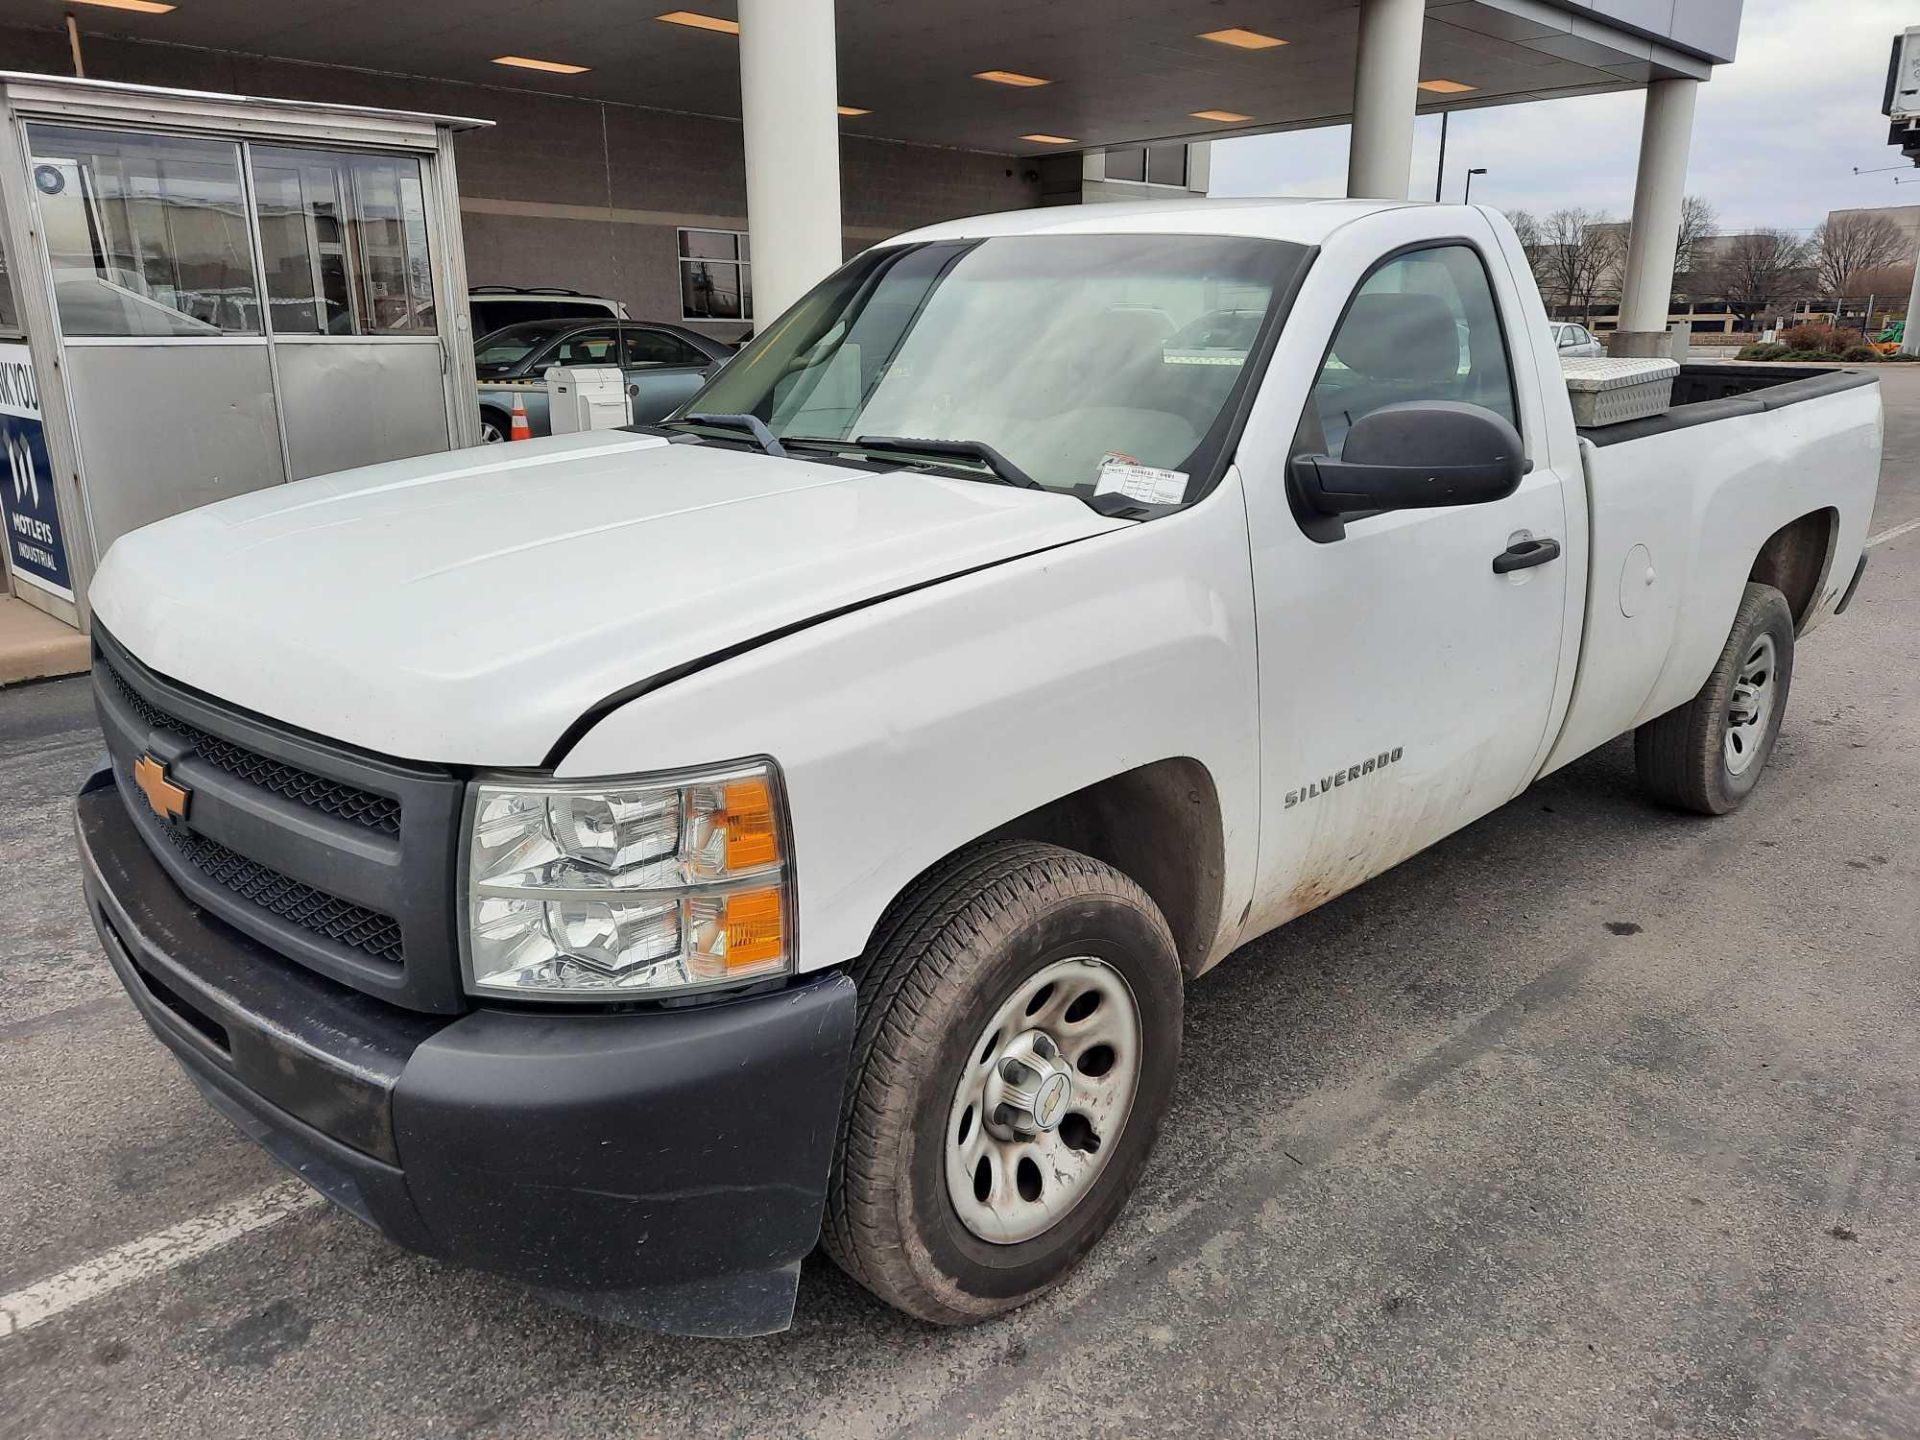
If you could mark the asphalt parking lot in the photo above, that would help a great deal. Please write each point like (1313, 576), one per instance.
(1593, 1120)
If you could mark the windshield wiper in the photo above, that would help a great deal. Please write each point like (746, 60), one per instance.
(1003, 468)
(752, 425)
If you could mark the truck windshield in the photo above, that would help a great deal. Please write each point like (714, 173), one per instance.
(1092, 363)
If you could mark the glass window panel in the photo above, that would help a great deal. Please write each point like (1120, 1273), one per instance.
(647, 349)
(710, 290)
(1422, 327)
(344, 237)
(9, 310)
(709, 245)
(1128, 164)
(147, 234)
(1167, 164)
(586, 347)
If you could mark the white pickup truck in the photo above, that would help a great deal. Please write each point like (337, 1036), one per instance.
(624, 861)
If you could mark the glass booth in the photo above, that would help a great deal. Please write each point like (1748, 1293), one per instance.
(211, 294)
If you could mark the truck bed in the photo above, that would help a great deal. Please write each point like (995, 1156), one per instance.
(1705, 392)
(1677, 517)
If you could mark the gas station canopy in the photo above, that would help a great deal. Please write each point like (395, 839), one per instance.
(1117, 71)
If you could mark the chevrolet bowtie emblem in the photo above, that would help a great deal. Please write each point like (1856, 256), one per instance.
(168, 800)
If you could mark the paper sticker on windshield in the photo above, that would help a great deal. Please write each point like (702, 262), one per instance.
(1145, 483)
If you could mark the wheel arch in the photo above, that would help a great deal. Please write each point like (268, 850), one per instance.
(1795, 560)
(1158, 824)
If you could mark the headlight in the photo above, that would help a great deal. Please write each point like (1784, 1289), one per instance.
(597, 890)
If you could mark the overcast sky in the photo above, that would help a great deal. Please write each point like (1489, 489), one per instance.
(1775, 138)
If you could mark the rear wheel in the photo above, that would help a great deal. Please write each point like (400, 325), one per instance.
(1707, 755)
(495, 428)
(1019, 1033)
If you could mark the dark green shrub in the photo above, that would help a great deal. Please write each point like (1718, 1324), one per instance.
(1860, 355)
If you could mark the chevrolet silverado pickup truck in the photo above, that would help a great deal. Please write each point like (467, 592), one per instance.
(626, 861)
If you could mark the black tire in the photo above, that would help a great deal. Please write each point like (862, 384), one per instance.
(1682, 756)
(494, 427)
(943, 959)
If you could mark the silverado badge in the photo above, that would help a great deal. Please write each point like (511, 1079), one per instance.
(167, 800)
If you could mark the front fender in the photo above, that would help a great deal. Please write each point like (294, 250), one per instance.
(908, 728)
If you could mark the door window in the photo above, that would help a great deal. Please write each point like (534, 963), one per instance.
(655, 349)
(587, 347)
(147, 234)
(1424, 326)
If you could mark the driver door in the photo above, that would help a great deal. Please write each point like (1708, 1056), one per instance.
(1406, 688)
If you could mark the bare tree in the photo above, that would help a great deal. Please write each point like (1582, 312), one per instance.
(1850, 244)
(1754, 270)
(1579, 253)
(1697, 222)
(1527, 228)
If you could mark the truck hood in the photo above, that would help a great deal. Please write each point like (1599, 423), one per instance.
(468, 607)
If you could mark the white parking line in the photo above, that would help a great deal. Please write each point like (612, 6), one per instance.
(1894, 534)
(151, 1255)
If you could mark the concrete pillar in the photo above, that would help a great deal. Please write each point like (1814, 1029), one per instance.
(788, 93)
(1659, 191)
(1386, 81)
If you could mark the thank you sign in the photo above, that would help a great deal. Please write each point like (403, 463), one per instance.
(34, 542)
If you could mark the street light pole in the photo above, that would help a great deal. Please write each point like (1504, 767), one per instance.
(1440, 170)
(1467, 198)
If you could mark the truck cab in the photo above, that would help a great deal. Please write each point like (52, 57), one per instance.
(797, 822)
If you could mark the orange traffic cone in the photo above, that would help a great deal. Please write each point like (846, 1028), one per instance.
(519, 429)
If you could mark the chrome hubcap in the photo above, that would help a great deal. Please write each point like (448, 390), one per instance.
(1750, 710)
(1047, 1088)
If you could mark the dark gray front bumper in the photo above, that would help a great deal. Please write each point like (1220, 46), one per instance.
(664, 1167)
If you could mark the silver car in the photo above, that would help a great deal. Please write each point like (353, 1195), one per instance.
(664, 365)
(1575, 341)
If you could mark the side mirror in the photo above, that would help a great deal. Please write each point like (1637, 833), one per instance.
(1418, 453)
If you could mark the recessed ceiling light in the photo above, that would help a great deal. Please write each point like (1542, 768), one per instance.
(557, 67)
(1244, 39)
(1050, 139)
(852, 110)
(1446, 87)
(694, 20)
(1009, 77)
(1225, 117)
(144, 7)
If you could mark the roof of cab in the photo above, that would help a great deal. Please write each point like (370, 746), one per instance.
(1304, 222)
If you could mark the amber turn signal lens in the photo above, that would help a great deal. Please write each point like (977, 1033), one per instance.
(756, 930)
(751, 840)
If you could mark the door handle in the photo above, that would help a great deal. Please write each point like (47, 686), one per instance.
(1524, 555)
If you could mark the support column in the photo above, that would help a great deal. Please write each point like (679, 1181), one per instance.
(1386, 81)
(788, 94)
(1659, 192)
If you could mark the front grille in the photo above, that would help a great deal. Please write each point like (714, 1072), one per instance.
(356, 927)
(379, 813)
(340, 860)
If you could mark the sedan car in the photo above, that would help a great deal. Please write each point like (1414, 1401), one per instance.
(664, 365)
(1576, 341)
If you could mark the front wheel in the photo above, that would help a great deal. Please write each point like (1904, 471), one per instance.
(495, 428)
(1707, 755)
(1018, 1038)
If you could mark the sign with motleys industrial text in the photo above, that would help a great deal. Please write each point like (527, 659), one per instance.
(34, 543)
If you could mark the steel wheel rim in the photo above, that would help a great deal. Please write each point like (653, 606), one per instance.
(1750, 708)
(1007, 1185)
